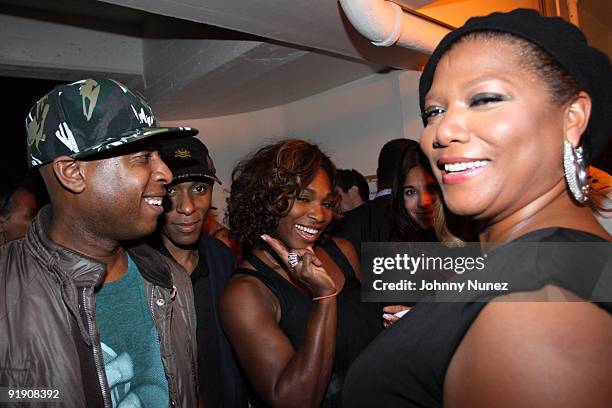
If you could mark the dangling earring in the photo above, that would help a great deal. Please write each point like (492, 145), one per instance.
(575, 172)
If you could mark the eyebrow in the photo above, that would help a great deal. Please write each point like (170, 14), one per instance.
(470, 84)
(311, 191)
(478, 80)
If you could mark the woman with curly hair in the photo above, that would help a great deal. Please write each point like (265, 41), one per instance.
(292, 311)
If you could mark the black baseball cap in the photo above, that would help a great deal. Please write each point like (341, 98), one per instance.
(188, 157)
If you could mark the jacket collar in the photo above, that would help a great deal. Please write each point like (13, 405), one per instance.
(152, 265)
(83, 270)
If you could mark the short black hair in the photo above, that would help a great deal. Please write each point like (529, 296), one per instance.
(345, 179)
(389, 156)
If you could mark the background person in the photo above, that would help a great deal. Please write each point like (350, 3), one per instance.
(352, 188)
(296, 329)
(507, 100)
(208, 262)
(371, 222)
(414, 207)
(18, 207)
(414, 196)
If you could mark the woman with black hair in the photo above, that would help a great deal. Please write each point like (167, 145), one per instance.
(414, 199)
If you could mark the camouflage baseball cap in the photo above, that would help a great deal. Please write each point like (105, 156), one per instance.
(89, 117)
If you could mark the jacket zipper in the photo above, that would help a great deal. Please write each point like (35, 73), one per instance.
(97, 355)
(170, 400)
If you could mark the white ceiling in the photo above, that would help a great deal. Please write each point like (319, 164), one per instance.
(200, 58)
(194, 58)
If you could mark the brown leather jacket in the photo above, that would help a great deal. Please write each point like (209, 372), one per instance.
(48, 332)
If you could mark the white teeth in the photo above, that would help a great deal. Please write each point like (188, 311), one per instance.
(455, 167)
(307, 229)
(154, 201)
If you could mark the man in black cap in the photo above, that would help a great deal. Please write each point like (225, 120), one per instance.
(208, 261)
(86, 315)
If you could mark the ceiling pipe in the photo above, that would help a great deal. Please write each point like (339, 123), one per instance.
(572, 7)
(385, 23)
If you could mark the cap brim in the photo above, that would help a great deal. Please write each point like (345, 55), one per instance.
(175, 179)
(134, 136)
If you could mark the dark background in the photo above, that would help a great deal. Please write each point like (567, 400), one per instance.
(19, 94)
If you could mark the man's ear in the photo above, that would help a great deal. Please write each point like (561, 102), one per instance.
(69, 173)
(353, 191)
(576, 118)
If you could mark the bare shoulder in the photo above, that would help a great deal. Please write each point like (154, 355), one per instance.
(345, 245)
(246, 292)
(537, 354)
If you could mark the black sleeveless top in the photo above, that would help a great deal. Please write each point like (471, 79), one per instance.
(405, 366)
(357, 323)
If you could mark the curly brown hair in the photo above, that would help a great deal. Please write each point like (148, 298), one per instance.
(265, 185)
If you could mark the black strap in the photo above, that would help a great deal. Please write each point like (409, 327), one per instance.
(339, 258)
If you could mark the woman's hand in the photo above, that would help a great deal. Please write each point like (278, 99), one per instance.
(309, 269)
(394, 313)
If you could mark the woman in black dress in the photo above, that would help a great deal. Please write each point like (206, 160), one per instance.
(292, 311)
(514, 105)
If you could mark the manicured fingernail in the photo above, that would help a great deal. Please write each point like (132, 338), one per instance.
(264, 237)
(386, 316)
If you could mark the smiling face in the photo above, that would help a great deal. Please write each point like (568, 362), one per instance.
(188, 209)
(420, 192)
(125, 194)
(493, 135)
(310, 214)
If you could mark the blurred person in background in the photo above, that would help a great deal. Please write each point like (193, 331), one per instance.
(414, 198)
(371, 222)
(18, 207)
(353, 190)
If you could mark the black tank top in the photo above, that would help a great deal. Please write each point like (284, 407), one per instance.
(357, 323)
(405, 366)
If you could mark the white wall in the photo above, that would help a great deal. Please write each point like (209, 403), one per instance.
(350, 123)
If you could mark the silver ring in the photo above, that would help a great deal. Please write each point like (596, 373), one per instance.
(293, 259)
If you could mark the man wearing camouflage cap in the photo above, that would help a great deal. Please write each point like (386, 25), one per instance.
(86, 314)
